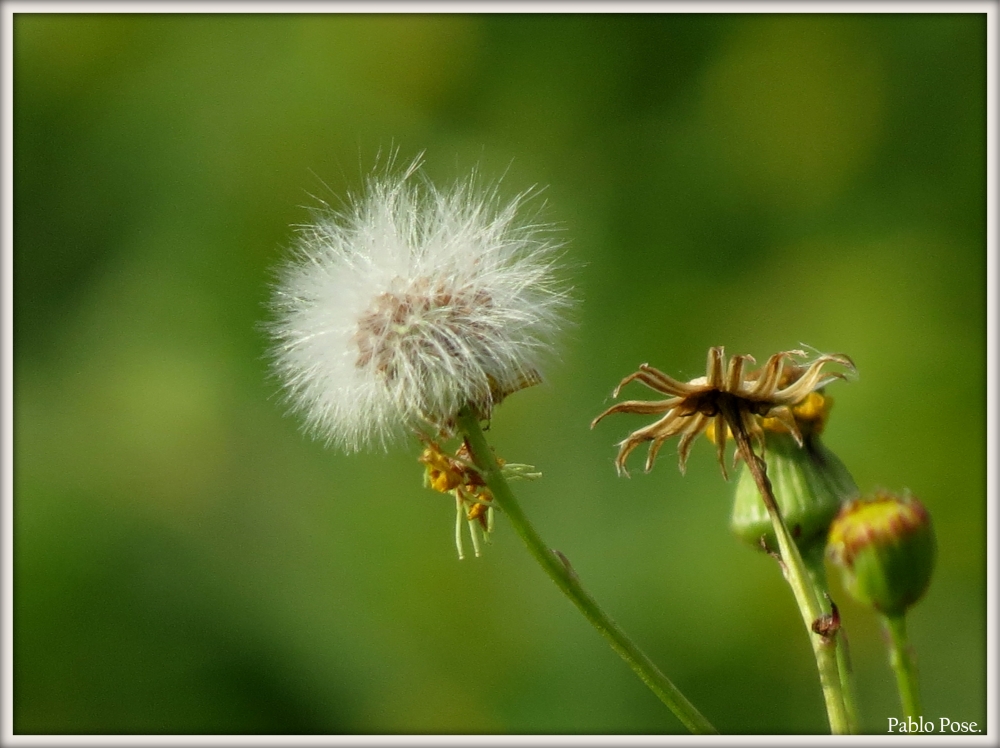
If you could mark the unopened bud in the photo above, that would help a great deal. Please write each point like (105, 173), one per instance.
(884, 547)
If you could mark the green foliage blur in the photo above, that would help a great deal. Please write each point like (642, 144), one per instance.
(187, 561)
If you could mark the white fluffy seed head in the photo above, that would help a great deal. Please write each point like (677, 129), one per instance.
(410, 304)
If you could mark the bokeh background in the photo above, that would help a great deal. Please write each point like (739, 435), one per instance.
(188, 561)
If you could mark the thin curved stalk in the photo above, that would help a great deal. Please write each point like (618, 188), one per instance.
(559, 570)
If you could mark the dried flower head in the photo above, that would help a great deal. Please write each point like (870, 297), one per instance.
(769, 392)
(457, 475)
(410, 304)
(810, 414)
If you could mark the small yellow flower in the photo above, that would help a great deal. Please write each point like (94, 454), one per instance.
(771, 392)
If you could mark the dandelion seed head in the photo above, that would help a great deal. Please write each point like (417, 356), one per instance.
(411, 303)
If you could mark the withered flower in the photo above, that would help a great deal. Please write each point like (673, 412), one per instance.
(771, 391)
(457, 475)
(460, 478)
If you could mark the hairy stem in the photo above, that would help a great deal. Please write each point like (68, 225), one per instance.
(824, 648)
(559, 570)
(904, 664)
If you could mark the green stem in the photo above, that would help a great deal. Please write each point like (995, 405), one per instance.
(846, 673)
(903, 663)
(558, 568)
(824, 649)
(817, 575)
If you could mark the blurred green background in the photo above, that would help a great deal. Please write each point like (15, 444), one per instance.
(187, 561)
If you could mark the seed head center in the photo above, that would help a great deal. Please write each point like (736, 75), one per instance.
(427, 321)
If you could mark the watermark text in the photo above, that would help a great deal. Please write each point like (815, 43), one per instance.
(942, 726)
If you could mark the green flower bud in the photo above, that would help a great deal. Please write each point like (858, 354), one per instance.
(810, 485)
(884, 547)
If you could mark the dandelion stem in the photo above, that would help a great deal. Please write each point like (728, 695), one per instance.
(904, 664)
(824, 648)
(557, 567)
